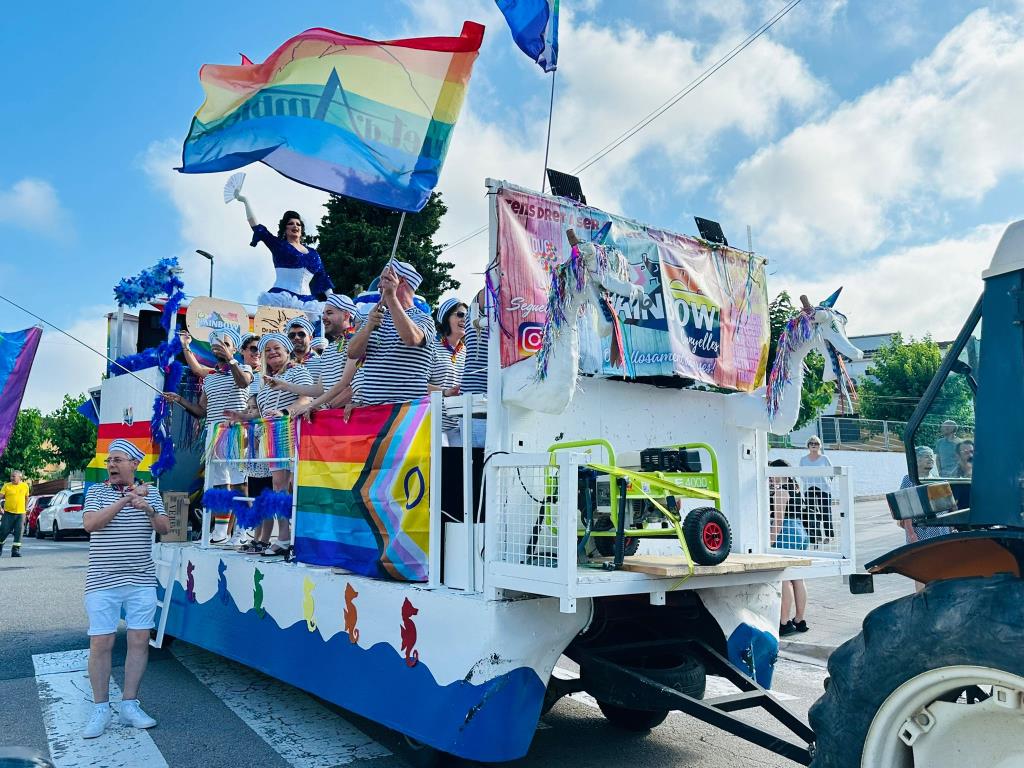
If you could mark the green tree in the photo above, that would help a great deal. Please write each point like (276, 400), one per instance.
(816, 393)
(26, 450)
(899, 375)
(72, 436)
(355, 239)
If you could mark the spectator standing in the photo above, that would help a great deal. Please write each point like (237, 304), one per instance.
(964, 459)
(15, 498)
(787, 532)
(925, 468)
(945, 449)
(817, 495)
(120, 516)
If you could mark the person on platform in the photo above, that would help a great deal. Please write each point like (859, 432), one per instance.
(332, 371)
(394, 343)
(120, 516)
(787, 532)
(225, 388)
(15, 498)
(257, 473)
(270, 403)
(300, 334)
(817, 494)
(449, 362)
(474, 377)
(301, 277)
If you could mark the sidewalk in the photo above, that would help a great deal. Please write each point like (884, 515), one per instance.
(833, 614)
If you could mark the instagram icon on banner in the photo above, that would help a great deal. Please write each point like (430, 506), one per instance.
(530, 338)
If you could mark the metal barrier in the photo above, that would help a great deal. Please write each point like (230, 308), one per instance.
(817, 518)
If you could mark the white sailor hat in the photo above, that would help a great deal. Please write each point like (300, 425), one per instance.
(407, 272)
(280, 338)
(226, 332)
(303, 323)
(319, 343)
(342, 302)
(446, 307)
(126, 447)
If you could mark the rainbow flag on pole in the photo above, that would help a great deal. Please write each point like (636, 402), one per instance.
(17, 352)
(363, 118)
(363, 498)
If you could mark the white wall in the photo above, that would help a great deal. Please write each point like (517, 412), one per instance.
(873, 472)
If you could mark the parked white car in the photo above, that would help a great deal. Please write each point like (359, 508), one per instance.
(64, 515)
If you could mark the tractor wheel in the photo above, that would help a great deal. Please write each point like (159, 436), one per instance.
(936, 679)
(686, 675)
(606, 545)
(708, 535)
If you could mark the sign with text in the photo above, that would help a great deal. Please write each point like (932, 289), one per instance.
(703, 314)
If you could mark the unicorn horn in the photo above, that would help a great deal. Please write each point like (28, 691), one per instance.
(831, 300)
(806, 304)
(571, 236)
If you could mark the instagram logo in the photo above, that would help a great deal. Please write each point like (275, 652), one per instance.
(530, 338)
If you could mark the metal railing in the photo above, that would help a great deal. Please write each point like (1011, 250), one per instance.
(845, 433)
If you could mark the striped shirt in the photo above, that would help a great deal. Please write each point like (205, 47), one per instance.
(474, 377)
(393, 372)
(120, 553)
(268, 399)
(329, 367)
(256, 468)
(446, 372)
(223, 394)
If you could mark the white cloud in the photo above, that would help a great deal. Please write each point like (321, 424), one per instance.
(60, 360)
(32, 204)
(922, 289)
(879, 167)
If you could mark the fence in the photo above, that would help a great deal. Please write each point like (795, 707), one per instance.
(854, 434)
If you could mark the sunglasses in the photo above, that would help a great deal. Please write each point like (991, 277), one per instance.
(251, 348)
(460, 313)
(297, 335)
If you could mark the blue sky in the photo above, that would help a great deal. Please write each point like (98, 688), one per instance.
(872, 144)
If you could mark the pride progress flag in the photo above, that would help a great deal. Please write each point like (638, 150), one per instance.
(17, 352)
(363, 118)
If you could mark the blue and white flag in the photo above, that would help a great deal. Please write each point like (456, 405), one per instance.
(534, 25)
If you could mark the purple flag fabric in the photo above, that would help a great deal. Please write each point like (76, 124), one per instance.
(17, 351)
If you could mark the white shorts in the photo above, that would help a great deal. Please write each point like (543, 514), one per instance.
(106, 606)
(220, 473)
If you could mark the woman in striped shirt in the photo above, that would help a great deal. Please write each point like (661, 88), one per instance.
(275, 348)
(449, 361)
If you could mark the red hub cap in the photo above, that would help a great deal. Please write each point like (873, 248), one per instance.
(713, 536)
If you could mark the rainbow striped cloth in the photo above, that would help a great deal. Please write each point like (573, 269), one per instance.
(364, 491)
(363, 118)
(138, 432)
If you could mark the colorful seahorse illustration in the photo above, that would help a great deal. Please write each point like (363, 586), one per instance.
(222, 582)
(257, 593)
(307, 603)
(409, 633)
(190, 582)
(351, 615)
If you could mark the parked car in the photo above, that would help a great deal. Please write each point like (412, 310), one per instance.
(63, 517)
(35, 505)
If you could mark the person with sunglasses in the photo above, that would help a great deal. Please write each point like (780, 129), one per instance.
(300, 334)
(449, 361)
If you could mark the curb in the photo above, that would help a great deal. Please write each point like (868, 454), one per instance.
(816, 651)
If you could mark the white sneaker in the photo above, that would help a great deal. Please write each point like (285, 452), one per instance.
(131, 714)
(97, 723)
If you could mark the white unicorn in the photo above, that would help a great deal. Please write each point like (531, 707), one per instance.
(775, 407)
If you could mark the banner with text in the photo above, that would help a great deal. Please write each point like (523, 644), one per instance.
(704, 311)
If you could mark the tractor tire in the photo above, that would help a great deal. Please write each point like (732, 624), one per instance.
(908, 653)
(708, 535)
(58, 535)
(687, 676)
(606, 545)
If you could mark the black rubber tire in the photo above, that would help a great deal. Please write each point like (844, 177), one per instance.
(58, 535)
(693, 530)
(975, 621)
(420, 755)
(686, 675)
(606, 545)
(38, 532)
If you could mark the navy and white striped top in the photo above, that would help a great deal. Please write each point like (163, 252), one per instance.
(474, 377)
(223, 394)
(446, 372)
(393, 372)
(330, 366)
(120, 553)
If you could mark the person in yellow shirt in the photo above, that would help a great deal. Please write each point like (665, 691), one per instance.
(15, 497)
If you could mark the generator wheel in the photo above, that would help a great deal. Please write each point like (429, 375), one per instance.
(687, 675)
(708, 535)
(606, 545)
(934, 679)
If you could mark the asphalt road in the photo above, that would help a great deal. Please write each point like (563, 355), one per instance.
(41, 613)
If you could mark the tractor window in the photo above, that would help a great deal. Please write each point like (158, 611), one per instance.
(944, 441)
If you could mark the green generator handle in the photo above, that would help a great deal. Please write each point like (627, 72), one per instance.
(589, 444)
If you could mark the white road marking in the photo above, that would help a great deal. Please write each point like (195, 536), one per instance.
(302, 731)
(66, 700)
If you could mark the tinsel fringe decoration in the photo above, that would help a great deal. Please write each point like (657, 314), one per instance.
(797, 332)
(569, 276)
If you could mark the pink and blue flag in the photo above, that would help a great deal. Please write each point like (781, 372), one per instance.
(17, 351)
(534, 25)
(363, 118)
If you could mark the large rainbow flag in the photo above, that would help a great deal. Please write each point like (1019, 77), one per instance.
(363, 118)
(364, 491)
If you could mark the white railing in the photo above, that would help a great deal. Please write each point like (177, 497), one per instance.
(826, 521)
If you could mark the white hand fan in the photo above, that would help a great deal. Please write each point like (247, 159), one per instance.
(233, 186)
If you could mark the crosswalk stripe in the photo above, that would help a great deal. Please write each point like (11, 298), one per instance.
(302, 731)
(66, 698)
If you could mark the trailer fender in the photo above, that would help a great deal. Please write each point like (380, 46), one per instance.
(956, 556)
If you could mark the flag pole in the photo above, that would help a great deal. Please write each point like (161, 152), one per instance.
(547, 144)
(394, 246)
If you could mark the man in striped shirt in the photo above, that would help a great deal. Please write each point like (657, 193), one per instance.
(120, 516)
(225, 388)
(300, 334)
(332, 371)
(394, 343)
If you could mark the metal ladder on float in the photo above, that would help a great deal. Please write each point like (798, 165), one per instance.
(163, 604)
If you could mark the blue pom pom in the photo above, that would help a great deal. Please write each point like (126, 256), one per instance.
(245, 513)
(271, 504)
(218, 499)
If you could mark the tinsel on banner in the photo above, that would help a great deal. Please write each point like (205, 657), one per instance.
(797, 332)
(570, 276)
(257, 440)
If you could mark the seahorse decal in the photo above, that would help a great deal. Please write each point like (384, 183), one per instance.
(222, 582)
(351, 615)
(257, 593)
(409, 633)
(308, 604)
(190, 582)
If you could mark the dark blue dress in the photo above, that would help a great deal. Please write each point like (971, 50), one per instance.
(300, 276)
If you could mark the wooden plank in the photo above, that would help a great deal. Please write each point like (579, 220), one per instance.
(669, 566)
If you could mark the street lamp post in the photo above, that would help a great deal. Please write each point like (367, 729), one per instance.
(209, 256)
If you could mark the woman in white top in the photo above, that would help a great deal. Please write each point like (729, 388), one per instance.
(275, 348)
(817, 496)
